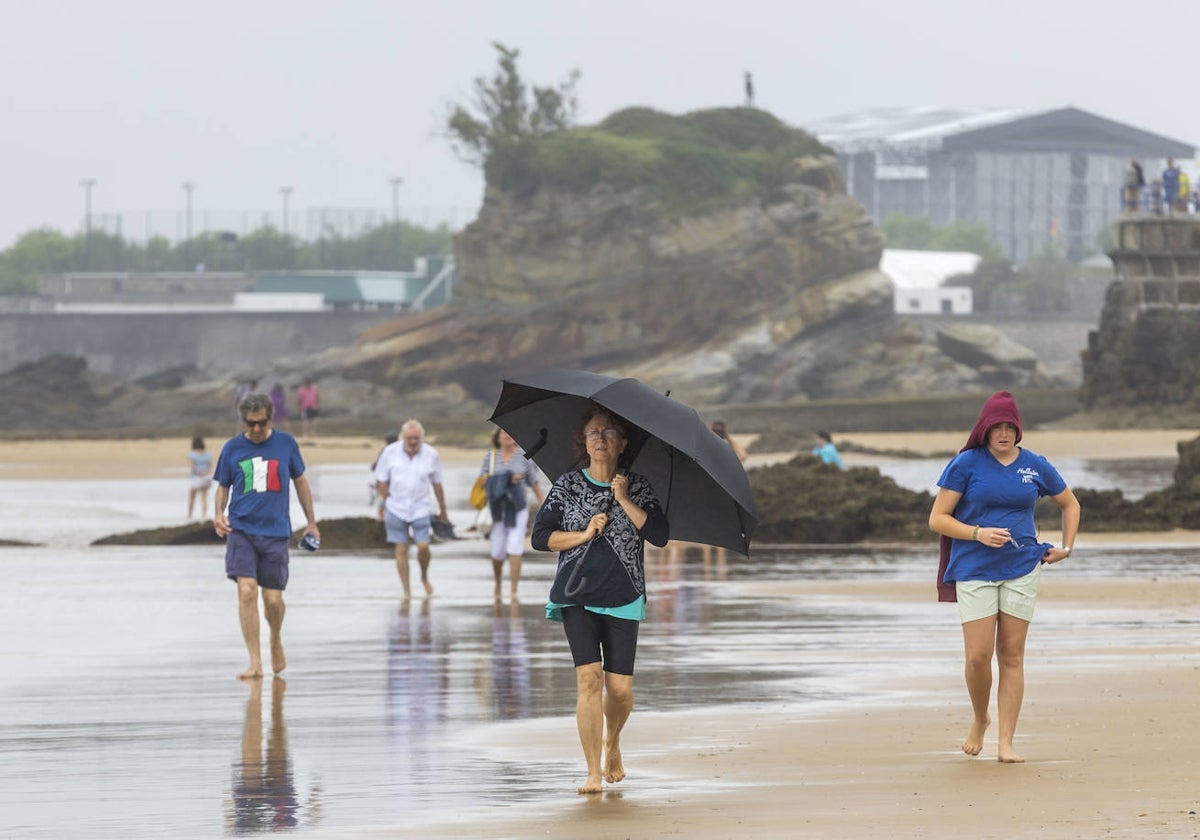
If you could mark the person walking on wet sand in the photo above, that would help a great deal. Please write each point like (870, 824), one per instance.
(598, 518)
(992, 560)
(253, 475)
(721, 430)
(308, 403)
(509, 473)
(405, 473)
(199, 477)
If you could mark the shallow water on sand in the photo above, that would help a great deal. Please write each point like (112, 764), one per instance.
(1135, 477)
(119, 714)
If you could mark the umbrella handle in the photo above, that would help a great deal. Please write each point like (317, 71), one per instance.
(576, 581)
(572, 588)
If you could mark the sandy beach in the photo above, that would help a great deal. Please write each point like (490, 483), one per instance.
(143, 457)
(1108, 728)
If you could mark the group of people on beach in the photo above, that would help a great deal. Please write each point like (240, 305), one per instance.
(990, 562)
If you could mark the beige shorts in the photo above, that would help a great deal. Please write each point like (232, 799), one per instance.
(982, 598)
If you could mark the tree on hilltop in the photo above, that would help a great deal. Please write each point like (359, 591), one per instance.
(497, 129)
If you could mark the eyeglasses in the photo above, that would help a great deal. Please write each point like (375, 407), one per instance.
(608, 434)
(257, 424)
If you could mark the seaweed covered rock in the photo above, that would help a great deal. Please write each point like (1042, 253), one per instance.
(806, 501)
(195, 533)
(350, 534)
(1178, 504)
(354, 533)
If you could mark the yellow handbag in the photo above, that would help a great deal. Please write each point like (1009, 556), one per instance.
(479, 489)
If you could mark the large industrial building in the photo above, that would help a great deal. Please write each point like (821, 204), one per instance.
(1029, 176)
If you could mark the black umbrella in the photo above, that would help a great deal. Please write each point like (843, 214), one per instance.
(698, 479)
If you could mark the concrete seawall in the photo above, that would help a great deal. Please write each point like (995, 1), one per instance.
(138, 345)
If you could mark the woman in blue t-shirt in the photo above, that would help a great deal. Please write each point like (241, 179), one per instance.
(992, 559)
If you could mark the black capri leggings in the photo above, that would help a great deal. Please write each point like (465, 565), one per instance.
(595, 637)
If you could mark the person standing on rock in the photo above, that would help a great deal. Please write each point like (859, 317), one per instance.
(253, 475)
(991, 560)
(405, 474)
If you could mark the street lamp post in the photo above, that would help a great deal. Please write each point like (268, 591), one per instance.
(285, 192)
(87, 184)
(396, 181)
(188, 186)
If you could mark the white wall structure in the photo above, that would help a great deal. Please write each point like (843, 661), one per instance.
(918, 278)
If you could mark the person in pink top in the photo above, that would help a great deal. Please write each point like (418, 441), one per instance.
(308, 403)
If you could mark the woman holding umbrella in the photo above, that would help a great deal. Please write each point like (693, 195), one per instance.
(598, 519)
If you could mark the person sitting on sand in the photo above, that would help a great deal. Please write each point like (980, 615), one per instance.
(253, 473)
(991, 558)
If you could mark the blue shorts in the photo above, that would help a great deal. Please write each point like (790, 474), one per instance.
(397, 529)
(263, 558)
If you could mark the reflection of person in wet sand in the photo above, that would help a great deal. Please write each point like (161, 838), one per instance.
(253, 475)
(510, 663)
(418, 685)
(264, 792)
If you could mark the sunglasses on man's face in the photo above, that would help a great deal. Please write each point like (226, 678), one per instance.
(257, 424)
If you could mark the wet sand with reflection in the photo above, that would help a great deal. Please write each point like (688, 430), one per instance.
(810, 692)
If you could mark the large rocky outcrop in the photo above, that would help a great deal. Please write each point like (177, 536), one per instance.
(1146, 353)
(715, 254)
(773, 296)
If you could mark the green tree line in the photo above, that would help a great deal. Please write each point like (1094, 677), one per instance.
(389, 247)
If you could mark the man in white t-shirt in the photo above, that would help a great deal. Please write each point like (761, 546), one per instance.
(405, 473)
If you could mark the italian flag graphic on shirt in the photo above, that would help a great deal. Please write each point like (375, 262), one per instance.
(261, 475)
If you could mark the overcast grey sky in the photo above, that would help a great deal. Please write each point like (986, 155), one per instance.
(243, 97)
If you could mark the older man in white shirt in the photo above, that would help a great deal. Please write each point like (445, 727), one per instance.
(404, 474)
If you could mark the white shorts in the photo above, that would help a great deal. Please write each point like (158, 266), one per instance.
(200, 482)
(982, 598)
(508, 542)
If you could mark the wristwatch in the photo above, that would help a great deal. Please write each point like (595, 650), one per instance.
(1067, 549)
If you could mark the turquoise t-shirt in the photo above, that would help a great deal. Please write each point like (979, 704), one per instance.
(634, 610)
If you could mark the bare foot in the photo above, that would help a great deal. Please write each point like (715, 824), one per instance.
(254, 672)
(278, 660)
(614, 770)
(428, 588)
(1007, 756)
(592, 785)
(974, 743)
